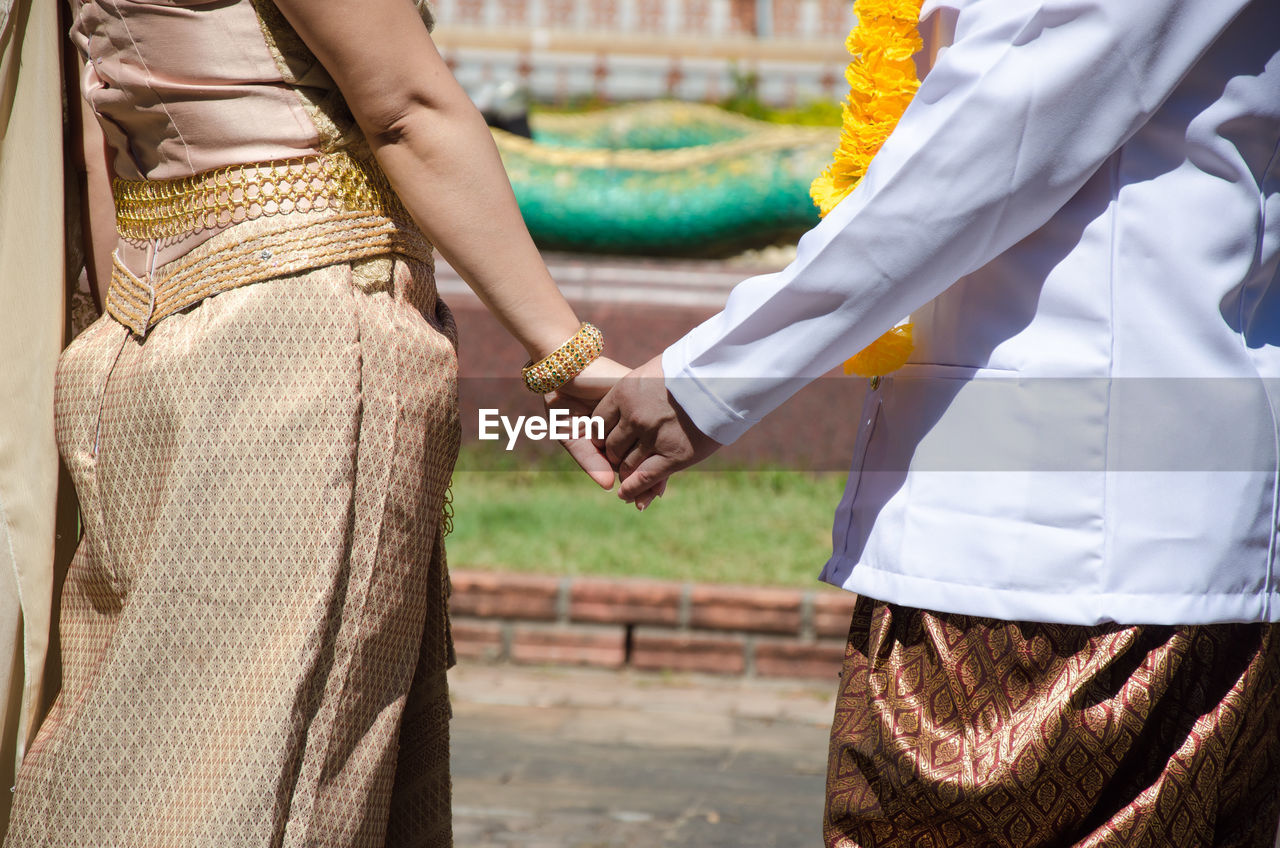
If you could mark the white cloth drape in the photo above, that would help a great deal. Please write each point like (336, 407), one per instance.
(31, 325)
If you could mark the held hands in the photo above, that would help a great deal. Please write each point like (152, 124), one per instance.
(579, 396)
(648, 436)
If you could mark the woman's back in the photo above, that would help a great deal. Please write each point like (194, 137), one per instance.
(191, 85)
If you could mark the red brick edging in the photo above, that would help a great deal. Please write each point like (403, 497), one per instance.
(649, 624)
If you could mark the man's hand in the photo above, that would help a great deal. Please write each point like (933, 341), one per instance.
(580, 396)
(647, 435)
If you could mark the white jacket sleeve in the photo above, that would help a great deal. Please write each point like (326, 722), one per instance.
(1030, 99)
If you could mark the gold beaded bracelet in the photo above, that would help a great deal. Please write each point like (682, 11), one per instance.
(565, 362)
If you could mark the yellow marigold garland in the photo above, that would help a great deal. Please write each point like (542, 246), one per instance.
(882, 80)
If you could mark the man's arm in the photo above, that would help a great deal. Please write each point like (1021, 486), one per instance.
(1026, 104)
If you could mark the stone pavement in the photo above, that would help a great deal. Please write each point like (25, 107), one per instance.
(583, 758)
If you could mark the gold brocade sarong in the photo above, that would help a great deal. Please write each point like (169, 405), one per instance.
(254, 628)
(955, 730)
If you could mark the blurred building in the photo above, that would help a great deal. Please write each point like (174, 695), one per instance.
(615, 50)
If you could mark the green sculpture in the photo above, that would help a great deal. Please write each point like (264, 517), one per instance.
(665, 179)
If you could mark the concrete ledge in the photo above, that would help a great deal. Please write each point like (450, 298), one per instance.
(649, 624)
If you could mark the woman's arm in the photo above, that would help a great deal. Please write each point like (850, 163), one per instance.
(437, 151)
(92, 158)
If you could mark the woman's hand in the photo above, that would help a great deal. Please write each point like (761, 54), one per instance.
(579, 396)
(595, 381)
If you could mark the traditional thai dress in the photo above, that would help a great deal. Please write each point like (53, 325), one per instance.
(1065, 505)
(261, 431)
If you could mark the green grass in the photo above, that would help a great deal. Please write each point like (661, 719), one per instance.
(768, 528)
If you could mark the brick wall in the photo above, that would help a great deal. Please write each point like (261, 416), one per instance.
(619, 50)
(785, 19)
(650, 625)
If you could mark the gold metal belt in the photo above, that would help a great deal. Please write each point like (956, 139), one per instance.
(157, 209)
(360, 218)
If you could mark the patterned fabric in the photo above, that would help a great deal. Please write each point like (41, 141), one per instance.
(294, 242)
(954, 730)
(254, 628)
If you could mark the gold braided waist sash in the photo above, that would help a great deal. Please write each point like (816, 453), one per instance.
(353, 215)
(156, 209)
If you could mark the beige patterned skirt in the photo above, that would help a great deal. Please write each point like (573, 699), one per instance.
(957, 731)
(254, 628)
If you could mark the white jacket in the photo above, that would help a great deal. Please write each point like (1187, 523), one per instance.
(1081, 211)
